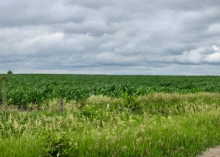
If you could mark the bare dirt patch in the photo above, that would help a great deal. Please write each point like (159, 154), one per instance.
(211, 152)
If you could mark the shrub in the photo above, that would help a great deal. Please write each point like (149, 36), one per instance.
(9, 72)
(60, 144)
(132, 102)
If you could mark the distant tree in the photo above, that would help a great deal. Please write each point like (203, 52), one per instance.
(9, 72)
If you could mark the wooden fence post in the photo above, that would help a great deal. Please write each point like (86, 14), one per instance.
(4, 91)
(61, 106)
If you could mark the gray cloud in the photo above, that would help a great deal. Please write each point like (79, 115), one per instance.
(112, 37)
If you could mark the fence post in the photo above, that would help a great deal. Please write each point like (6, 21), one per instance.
(3, 91)
(61, 106)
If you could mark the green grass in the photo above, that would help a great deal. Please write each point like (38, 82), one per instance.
(35, 88)
(151, 125)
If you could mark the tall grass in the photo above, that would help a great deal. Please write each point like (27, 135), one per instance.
(152, 125)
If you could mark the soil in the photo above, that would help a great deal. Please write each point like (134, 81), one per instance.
(211, 152)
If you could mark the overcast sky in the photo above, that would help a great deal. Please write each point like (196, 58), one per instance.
(149, 37)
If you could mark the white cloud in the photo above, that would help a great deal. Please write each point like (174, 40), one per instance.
(213, 58)
(113, 36)
(193, 56)
(215, 48)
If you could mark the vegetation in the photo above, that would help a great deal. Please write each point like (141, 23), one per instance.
(147, 115)
(9, 72)
(26, 89)
(158, 125)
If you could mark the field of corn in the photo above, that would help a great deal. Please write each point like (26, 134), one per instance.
(25, 89)
(146, 116)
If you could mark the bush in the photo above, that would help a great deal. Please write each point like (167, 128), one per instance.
(60, 144)
(9, 72)
(132, 102)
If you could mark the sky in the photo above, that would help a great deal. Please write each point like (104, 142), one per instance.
(144, 37)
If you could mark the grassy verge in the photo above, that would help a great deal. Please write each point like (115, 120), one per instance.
(153, 125)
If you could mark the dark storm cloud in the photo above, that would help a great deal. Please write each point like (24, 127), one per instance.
(112, 37)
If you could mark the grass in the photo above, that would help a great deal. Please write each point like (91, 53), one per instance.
(151, 125)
